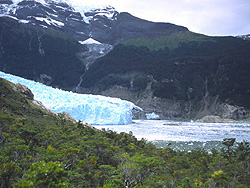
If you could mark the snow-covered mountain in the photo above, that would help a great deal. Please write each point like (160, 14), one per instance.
(97, 30)
(41, 18)
(47, 14)
(103, 24)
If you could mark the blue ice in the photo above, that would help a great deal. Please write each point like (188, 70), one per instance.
(93, 109)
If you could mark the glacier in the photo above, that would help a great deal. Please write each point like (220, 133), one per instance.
(152, 116)
(93, 109)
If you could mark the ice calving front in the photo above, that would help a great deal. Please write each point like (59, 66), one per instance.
(93, 109)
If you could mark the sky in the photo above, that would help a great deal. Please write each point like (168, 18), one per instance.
(210, 17)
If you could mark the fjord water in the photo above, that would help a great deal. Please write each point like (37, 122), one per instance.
(184, 135)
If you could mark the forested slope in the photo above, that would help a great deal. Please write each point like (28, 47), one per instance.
(44, 149)
(184, 65)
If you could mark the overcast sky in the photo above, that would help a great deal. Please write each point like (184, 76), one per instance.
(210, 17)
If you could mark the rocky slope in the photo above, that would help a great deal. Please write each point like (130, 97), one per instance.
(177, 109)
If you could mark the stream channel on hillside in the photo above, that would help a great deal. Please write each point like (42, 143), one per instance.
(184, 135)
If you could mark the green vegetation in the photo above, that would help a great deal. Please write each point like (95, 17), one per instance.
(172, 41)
(184, 65)
(41, 149)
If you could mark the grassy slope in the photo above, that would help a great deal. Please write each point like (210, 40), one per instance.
(172, 41)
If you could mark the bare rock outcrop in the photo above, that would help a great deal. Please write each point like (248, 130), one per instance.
(68, 117)
(215, 119)
(232, 112)
(24, 90)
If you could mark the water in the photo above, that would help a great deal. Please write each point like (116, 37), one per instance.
(184, 135)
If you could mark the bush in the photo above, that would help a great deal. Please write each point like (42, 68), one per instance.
(41, 174)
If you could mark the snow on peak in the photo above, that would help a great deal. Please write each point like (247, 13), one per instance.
(107, 11)
(101, 10)
(42, 1)
(90, 41)
(93, 109)
(50, 21)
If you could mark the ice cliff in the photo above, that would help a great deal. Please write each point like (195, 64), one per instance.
(93, 109)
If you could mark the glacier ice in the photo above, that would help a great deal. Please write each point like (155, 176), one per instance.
(93, 109)
(152, 116)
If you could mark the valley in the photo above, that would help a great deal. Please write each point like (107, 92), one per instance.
(104, 74)
(162, 67)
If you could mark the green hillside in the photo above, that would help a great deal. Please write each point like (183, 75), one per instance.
(171, 41)
(185, 66)
(41, 149)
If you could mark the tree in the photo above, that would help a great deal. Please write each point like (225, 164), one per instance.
(8, 172)
(243, 150)
(41, 174)
(137, 168)
(229, 142)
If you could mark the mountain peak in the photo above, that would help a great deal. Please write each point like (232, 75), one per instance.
(101, 23)
(106, 10)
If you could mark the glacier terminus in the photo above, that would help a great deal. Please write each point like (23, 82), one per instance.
(93, 109)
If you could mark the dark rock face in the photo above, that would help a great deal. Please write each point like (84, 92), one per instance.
(40, 54)
(122, 26)
(7, 2)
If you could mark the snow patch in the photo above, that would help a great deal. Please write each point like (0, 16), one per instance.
(101, 10)
(44, 26)
(4, 15)
(50, 21)
(89, 41)
(23, 21)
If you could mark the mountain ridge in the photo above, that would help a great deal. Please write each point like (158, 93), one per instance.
(101, 24)
(46, 42)
(42, 17)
